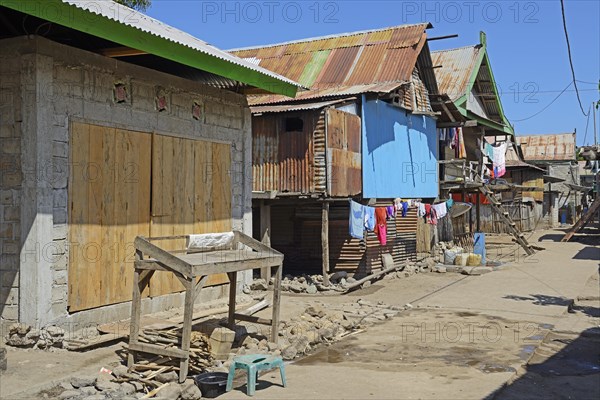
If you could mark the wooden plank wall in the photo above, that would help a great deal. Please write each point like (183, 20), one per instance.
(124, 184)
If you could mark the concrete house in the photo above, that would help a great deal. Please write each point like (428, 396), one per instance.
(113, 125)
(365, 131)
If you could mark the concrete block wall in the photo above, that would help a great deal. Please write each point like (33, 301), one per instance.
(74, 85)
(11, 177)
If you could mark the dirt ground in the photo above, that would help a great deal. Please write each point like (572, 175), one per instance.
(528, 330)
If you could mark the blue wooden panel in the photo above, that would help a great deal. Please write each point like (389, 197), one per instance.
(399, 154)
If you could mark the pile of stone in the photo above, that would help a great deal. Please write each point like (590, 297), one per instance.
(23, 335)
(121, 384)
(318, 325)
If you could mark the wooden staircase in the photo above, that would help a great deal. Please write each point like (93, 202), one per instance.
(585, 218)
(505, 217)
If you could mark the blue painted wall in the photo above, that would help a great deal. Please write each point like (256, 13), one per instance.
(399, 152)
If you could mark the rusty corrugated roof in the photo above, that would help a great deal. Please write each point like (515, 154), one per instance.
(359, 62)
(295, 106)
(548, 147)
(457, 66)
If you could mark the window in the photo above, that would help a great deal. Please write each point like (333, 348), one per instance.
(294, 125)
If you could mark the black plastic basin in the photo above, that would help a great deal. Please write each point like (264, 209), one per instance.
(211, 384)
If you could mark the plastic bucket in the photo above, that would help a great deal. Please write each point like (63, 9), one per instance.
(479, 246)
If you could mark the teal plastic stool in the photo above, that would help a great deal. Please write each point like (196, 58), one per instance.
(253, 363)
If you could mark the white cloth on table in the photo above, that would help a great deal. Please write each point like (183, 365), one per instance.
(210, 241)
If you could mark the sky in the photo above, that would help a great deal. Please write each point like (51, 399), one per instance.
(525, 39)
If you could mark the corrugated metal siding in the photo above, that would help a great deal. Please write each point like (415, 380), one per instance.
(284, 161)
(343, 153)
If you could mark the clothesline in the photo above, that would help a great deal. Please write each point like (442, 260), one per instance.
(374, 219)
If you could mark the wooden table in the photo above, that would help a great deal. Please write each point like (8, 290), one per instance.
(192, 268)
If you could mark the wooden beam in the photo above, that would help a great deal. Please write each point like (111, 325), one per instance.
(158, 350)
(448, 113)
(265, 235)
(252, 318)
(115, 52)
(325, 242)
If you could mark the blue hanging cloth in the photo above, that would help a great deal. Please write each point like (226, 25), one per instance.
(357, 220)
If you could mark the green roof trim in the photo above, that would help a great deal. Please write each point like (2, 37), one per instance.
(461, 102)
(72, 16)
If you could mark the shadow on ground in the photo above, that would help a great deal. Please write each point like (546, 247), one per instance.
(542, 299)
(564, 367)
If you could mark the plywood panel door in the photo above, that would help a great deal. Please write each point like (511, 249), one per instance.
(191, 193)
(109, 205)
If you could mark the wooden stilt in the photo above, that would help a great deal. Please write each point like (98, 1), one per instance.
(265, 235)
(276, 304)
(325, 242)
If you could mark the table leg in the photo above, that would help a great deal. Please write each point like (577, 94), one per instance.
(232, 293)
(136, 310)
(188, 314)
(276, 304)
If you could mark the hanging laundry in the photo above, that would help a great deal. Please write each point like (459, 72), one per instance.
(357, 217)
(404, 208)
(449, 203)
(391, 212)
(398, 204)
(440, 210)
(499, 160)
(462, 152)
(381, 225)
(452, 138)
(421, 212)
(369, 218)
(489, 151)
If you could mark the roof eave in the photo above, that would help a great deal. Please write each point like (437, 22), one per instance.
(105, 28)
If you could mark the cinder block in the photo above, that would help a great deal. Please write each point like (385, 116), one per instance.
(12, 179)
(59, 231)
(10, 313)
(59, 216)
(221, 340)
(7, 131)
(6, 230)
(9, 262)
(12, 213)
(11, 146)
(10, 247)
(9, 278)
(60, 277)
(6, 197)
(60, 149)
(59, 198)
(59, 293)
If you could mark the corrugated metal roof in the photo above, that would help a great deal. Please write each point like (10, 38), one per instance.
(294, 107)
(85, 16)
(333, 91)
(457, 66)
(359, 62)
(548, 147)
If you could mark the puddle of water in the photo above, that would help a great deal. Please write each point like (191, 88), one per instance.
(493, 368)
(546, 326)
(526, 352)
(535, 337)
(328, 356)
(466, 314)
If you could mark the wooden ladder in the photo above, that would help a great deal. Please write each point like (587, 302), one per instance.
(505, 217)
(581, 222)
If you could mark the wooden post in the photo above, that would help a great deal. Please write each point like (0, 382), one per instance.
(232, 294)
(265, 235)
(186, 330)
(325, 241)
(478, 213)
(550, 205)
(136, 310)
(276, 304)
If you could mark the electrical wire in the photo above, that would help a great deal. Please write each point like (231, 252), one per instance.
(587, 121)
(548, 105)
(562, 8)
